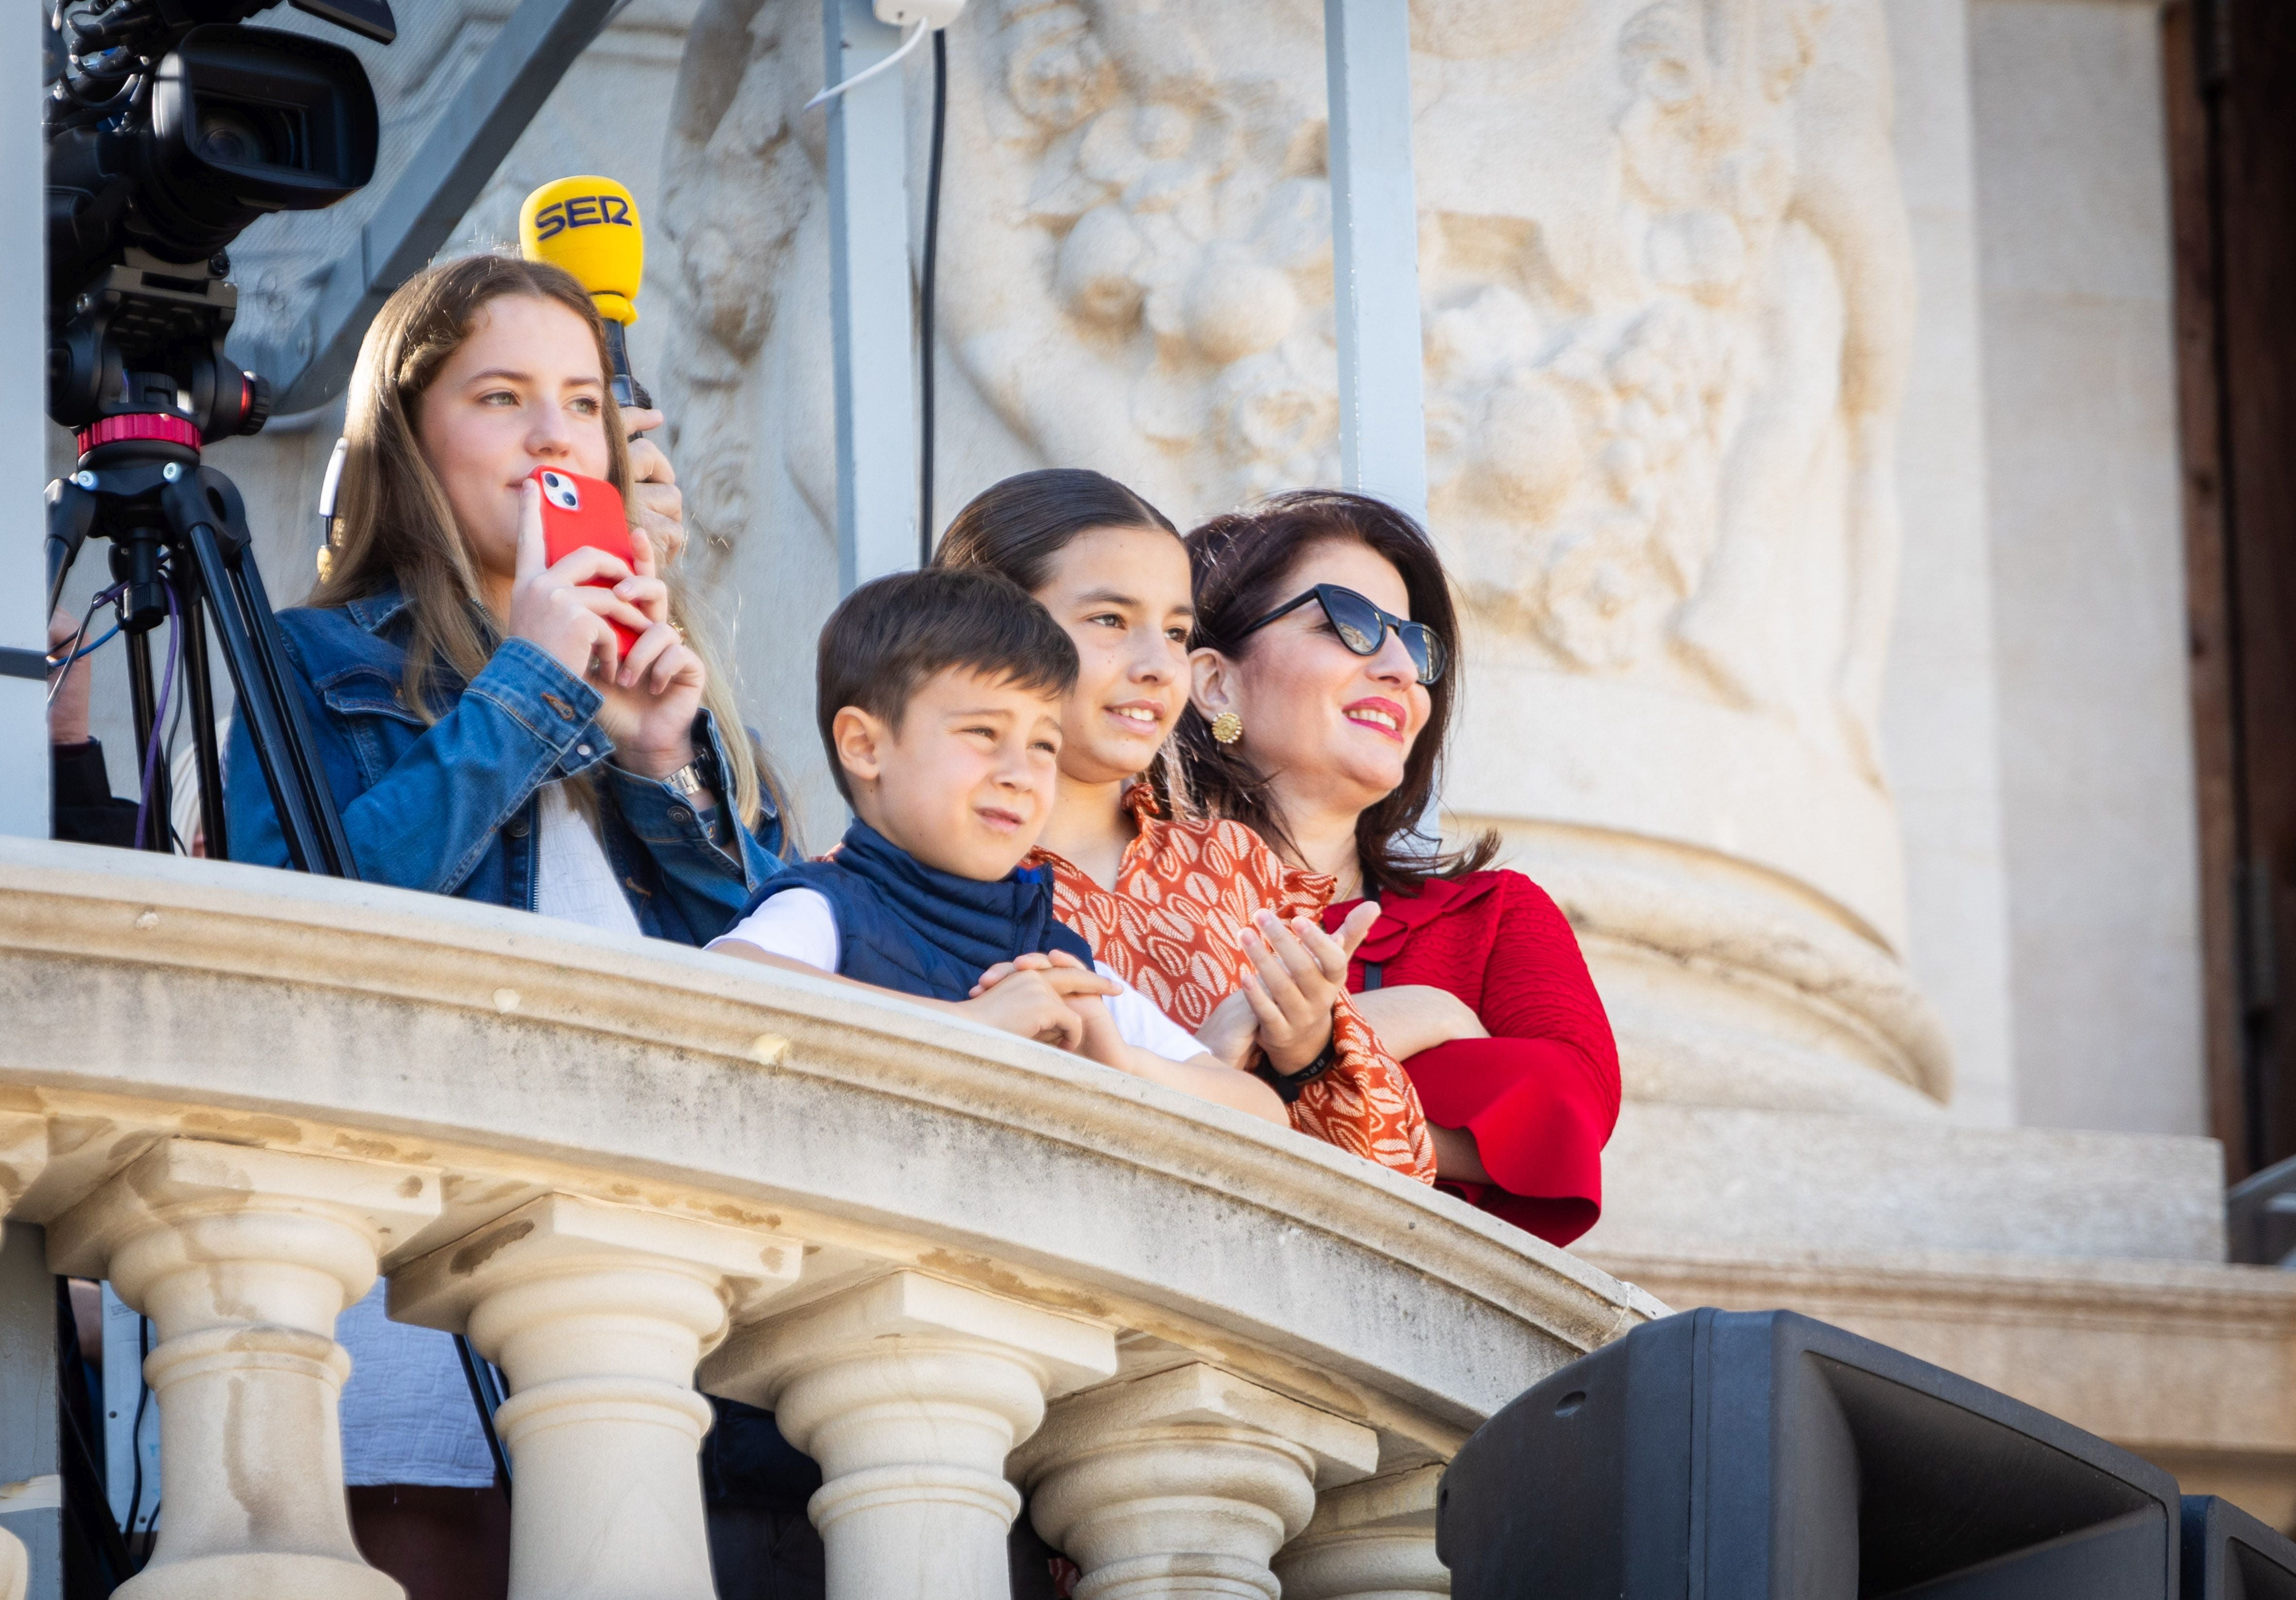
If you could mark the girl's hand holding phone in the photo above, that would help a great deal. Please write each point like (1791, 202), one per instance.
(561, 606)
(571, 609)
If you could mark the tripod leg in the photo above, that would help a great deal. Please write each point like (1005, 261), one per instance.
(151, 829)
(265, 637)
(254, 607)
(206, 736)
(307, 819)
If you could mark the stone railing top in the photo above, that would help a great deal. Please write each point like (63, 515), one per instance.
(513, 1056)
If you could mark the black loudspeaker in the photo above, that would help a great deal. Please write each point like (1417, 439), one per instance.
(2230, 1555)
(1762, 1455)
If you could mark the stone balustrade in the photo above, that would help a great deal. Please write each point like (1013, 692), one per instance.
(973, 1277)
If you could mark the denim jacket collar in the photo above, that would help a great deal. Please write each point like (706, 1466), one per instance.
(373, 613)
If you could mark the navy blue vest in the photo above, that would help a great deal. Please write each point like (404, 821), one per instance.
(903, 925)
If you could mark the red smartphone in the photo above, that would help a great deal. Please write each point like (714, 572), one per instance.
(580, 512)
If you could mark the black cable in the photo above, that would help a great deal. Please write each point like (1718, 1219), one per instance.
(73, 653)
(480, 1385)
(167, 754)
(135, 1428)
(925, 300)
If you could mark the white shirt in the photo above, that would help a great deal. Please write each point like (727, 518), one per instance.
(572, 878)
(799, 924)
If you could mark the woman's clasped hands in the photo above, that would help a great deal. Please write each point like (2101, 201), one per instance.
(1283, 1005)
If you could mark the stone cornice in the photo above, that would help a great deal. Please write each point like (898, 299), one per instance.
(1964, 1285)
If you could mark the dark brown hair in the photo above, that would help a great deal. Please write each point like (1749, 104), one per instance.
(1016, 526)
(888, 636)
(1243, 565)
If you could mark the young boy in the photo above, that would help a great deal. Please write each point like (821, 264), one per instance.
(940, 702)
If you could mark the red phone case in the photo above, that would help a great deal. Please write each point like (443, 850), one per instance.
(580, 512)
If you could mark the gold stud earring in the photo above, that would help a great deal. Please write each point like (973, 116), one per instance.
(1227, 728)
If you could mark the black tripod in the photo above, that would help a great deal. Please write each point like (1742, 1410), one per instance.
(180, 552)
(179, 548)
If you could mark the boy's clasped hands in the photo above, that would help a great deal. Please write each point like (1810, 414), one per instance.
(1055, 999)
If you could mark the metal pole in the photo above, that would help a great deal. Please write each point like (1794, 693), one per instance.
(23, 433)
(869, 300)
(1375, 251)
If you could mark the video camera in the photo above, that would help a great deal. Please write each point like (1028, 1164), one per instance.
(170, 126)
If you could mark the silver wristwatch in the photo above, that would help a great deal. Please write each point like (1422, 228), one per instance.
(689, 780)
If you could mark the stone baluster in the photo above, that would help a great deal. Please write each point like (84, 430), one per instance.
(910, 1391)
(242, 1259)
(1184, 1484)
(597, 1315)
(1372, 1540)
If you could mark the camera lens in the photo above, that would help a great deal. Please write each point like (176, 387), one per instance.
(246, 120)
(231, 135)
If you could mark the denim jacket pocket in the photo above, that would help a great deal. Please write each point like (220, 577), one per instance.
(366, 702)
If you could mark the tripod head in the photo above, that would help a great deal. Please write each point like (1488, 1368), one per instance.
(139, 354)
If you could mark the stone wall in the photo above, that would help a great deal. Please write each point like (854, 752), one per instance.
(2088, 578)
(606, 1159)
(1939, 716)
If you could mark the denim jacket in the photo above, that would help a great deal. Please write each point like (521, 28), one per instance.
(451, 808)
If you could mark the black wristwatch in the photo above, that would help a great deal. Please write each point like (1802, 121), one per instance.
(1288, 1085)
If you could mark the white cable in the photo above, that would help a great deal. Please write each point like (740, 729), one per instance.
(917, 30)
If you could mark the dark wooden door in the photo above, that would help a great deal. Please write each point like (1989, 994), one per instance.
(2231, 92)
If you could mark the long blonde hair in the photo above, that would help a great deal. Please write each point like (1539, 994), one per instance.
(395, 526)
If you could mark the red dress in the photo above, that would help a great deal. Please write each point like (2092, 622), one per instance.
(1541, 1095)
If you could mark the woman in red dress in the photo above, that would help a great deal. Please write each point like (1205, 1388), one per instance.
(1196, 913)
(1324, 679)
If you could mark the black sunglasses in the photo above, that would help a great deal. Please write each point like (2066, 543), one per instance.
(1362, 626)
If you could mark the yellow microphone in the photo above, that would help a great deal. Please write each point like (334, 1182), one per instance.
(589, 225)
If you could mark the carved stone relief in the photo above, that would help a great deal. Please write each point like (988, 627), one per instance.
(1667, 301)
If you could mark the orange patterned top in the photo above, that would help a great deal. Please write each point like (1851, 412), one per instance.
(1183, 893)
